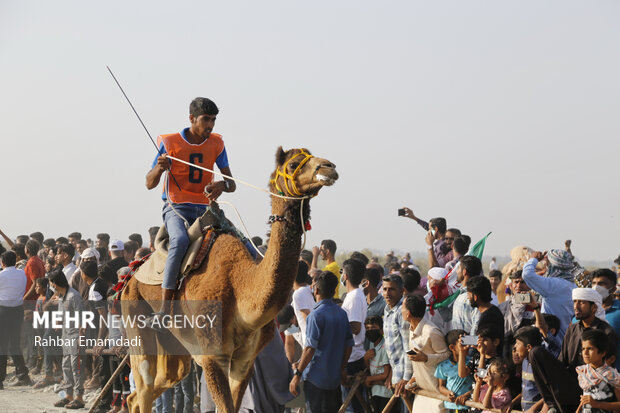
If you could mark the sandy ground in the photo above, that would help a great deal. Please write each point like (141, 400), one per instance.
(26, 399)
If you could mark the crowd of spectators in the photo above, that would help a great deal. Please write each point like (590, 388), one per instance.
(540, 336)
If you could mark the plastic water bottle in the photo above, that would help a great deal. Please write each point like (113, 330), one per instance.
(63, 394)
(586, 409)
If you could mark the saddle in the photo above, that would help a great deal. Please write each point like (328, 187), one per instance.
(202, 235)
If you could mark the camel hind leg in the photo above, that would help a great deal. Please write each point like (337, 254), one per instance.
(153, 376)
(144, 370)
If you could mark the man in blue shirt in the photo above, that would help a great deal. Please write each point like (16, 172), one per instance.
(328, 345)
(555, 287)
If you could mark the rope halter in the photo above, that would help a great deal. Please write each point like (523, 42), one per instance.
(292, 190)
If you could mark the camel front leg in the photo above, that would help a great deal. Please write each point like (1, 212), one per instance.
(215, 371)
(240, 374)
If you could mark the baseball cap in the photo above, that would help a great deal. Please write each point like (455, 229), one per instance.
(117, 245)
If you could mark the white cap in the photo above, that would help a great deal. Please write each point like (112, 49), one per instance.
(117, 245)
(89, 253)
(437, 273)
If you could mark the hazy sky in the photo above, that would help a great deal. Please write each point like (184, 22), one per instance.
(500, 116)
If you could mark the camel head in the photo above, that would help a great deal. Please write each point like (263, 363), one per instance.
(298, 173)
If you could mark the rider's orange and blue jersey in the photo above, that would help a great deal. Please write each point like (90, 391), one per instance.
(190, 181)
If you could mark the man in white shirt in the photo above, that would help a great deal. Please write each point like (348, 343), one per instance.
(356, 307)
(64, 257)
(12, 290)
(303, 301)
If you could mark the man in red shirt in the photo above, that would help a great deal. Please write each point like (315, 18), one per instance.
(35, 268)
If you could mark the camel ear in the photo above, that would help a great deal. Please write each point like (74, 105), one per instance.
(280, 156)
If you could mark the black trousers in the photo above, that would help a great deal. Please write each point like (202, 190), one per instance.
(11, 319)
(558, 386)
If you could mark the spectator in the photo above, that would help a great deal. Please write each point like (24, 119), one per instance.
(306, 256)
(69, 301)
(327, 252)
(396, 331)
(137, 238)
(460, 246)
(103, 242)
(108, 271)
(494, 393)
(355, 306)
(35, 268)
(64, 257)
(328, 347)
(495, 277)
(411, 280)
(376, 360)
(600, 383)
(526, 339)
(375, 301)
(356, 255)
(20, 252)
(38, 236)
(152, 234)
(97, 293)
(73, 238)
(12, 288)
(486, 350)
(555, 287)
(430, 349)
(303, 301)
(479, 295)
(604, 281)
(557, 378)
(458, 389)
(464, 316)
(439, 251)
(142, 252)
(81, 246)
(129, 250)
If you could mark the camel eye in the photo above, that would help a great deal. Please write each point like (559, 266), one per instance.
(293, 165)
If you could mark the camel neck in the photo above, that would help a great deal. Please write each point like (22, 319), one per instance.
(277, 271)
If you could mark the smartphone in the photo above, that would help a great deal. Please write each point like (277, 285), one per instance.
(411, 353)
(401, 212)
(522, 298)
(469, 340)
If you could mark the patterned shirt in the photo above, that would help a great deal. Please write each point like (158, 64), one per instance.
(598, 383)
(396, 332)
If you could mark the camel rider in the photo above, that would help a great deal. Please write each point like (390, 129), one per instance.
(187, 191)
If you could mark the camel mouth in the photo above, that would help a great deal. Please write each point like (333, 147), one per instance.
(326, 178)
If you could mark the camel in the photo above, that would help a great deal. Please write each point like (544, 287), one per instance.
(250, 294)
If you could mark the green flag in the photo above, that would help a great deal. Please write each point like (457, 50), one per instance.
(478, 249)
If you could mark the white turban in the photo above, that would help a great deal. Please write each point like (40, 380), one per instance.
(437, 273)
(593, 296)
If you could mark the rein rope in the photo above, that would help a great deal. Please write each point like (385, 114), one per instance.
(280, 172)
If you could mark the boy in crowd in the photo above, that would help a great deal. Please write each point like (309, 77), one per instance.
(487, 350)
(458, 389)
(599, 381)
(527, 338)
(377, 361)
(69, 300)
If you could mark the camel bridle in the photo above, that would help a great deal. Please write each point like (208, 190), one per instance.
(282, 172)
